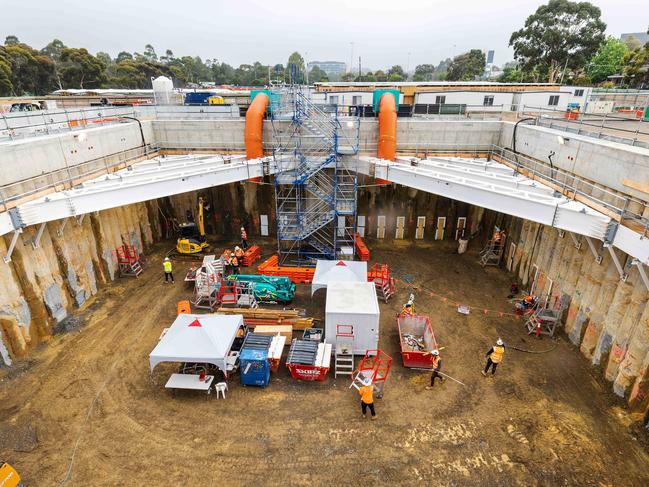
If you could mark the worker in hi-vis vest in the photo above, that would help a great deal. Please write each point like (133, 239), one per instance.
(494, 357)
(168, 268)
(366, 392)
(437, 367)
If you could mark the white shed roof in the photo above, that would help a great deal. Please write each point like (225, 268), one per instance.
(352, 298)
(327, 271)
(197, 338)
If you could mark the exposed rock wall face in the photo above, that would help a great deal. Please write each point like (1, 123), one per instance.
(43, 283)
(607, 318)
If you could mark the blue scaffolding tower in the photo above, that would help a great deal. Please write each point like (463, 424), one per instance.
(316, 187)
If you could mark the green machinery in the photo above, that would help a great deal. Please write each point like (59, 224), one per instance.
(266, 288)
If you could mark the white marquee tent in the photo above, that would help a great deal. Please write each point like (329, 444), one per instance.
(327, 271)
(198, 338)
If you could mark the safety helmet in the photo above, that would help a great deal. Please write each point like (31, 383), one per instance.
(435, 352)
(499, 342)
(167, 259)
(236, 248)
(242, 229)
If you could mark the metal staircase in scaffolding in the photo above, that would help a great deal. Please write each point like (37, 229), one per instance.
(315, 192)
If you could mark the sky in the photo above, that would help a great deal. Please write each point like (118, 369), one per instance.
(383, 33)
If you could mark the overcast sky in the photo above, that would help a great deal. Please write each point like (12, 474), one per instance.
(244, 31)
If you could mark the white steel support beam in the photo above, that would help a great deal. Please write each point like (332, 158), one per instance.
(643, 273)
(12, 245)
(149, 180)
(59, 230)
(36, 241)
(616, 261)
(596, 254)
(575, 240)
(512, 195)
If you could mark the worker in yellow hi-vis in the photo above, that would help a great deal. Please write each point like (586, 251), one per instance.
(367, 398)
(494, 357)
(168, 268)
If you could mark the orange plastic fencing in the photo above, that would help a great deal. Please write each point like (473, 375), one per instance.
(252, 255)
(361, 249)
(298, 275)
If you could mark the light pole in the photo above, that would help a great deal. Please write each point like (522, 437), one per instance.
(351, 57)
(408, 66)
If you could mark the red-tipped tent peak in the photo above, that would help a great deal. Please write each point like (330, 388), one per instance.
(195, 323)
(340, 262)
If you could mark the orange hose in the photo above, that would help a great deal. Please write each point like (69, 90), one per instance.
(387, 127)
(252, 134)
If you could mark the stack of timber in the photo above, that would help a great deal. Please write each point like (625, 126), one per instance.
(257, 317)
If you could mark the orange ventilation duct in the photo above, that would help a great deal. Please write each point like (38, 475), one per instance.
(253, 131)
(387, 130)
(252, 134)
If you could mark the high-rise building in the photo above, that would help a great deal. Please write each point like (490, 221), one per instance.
(329, 67)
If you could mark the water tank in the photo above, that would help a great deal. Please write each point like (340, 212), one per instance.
(163, 89)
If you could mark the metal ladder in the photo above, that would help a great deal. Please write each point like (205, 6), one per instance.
(344, 358)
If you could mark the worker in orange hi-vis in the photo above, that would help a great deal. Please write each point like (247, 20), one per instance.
(244, 238)
(367, 398)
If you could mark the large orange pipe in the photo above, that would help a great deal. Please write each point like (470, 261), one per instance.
(387, 127)
(253, 131)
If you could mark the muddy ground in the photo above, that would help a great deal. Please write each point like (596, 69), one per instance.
(84, 411)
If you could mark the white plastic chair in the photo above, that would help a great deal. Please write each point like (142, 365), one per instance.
(221, 387)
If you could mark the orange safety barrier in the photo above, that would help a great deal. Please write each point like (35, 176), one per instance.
(184, 307)
(297, 275)
(361, 249)
(251, 255)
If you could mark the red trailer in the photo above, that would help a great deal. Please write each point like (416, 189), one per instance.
(309, 360)
(417, 341)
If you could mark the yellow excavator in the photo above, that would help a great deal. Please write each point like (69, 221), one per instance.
(192, 235)
(8, 476)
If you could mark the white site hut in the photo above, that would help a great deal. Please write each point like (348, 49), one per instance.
(352, 315)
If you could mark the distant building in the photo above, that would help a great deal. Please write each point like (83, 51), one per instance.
(641, 37)
(329, 67)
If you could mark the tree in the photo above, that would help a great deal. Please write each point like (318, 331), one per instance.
(53, 50)
(32, 73)
(11, 41)
(636, 67)
(78, 66)
(123, 56)
(295, 71)
(608, 60)
(149, 53)
(467, 66)
(560, 35)
(511, 74)
(168, 57)
(424, 72)
(396, 69)
(6, 86)
(316, 75)
(380, 76)
(348, 77)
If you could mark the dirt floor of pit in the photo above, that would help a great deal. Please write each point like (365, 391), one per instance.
(545, 419)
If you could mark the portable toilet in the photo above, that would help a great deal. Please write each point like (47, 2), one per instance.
(254, 367)
(352, 315)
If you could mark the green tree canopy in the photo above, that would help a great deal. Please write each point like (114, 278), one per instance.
(295, 70)
(78, 68)
(424, 72)
(467, 66)
(559, 35)
(608, 60)
(31, 72)
(636, 67)
(53, 50)
(11, 41)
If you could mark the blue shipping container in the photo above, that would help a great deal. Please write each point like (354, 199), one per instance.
(254, 369)
(197, 98)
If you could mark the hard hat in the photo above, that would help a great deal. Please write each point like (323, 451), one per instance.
(499, 342)
(435, 352)
(242, 228)
(167, 258)
(236, 248)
